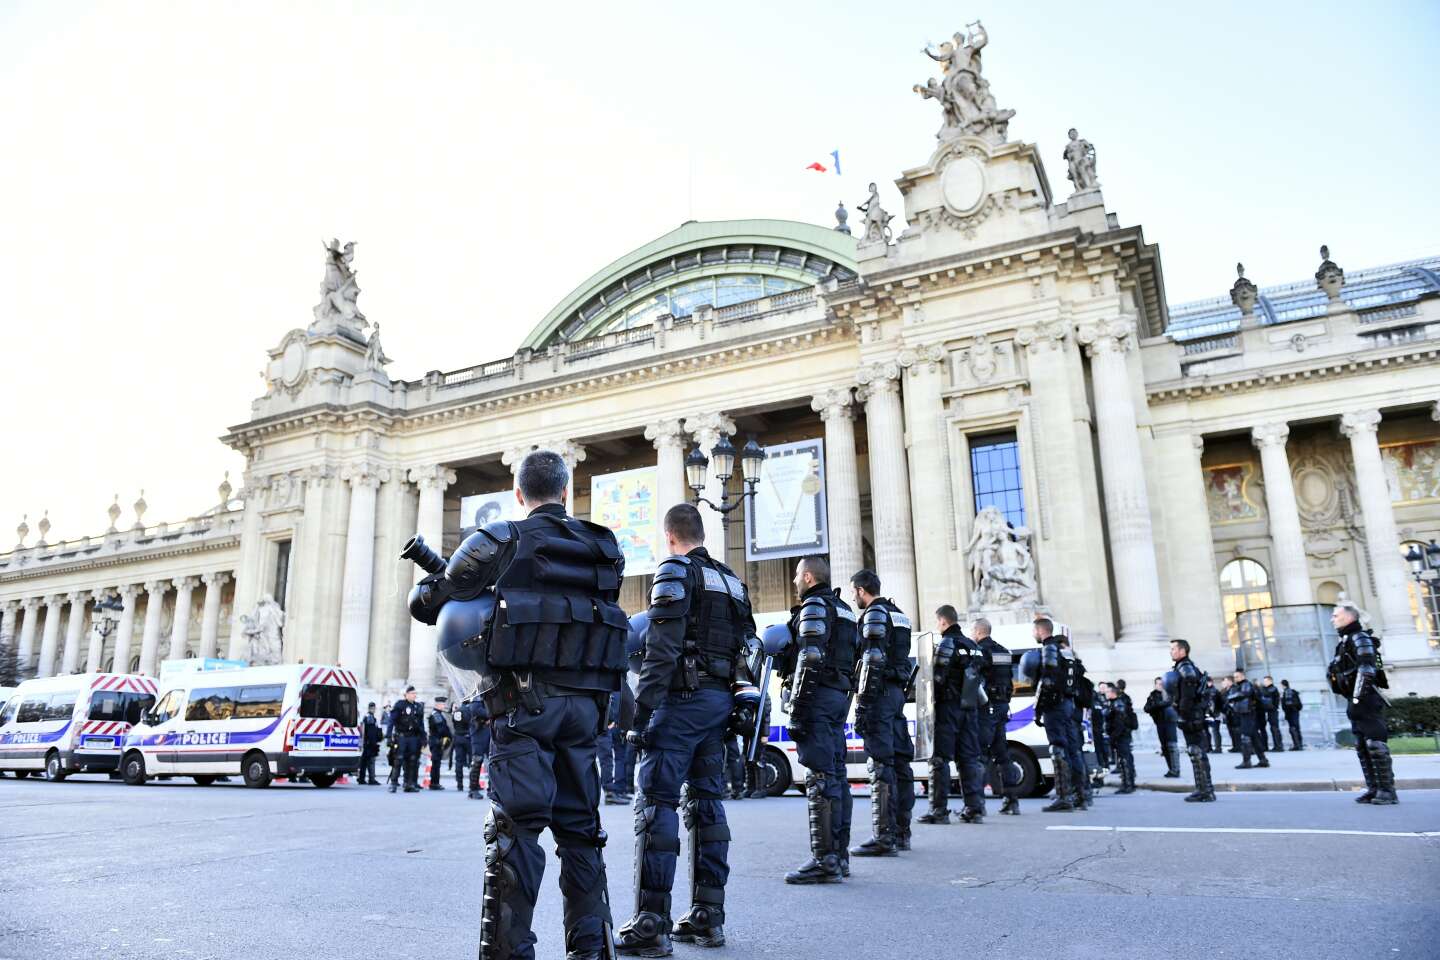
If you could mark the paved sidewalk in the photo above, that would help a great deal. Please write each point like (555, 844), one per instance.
(1308, 769)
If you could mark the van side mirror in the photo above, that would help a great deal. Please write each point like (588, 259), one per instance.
(148, 718)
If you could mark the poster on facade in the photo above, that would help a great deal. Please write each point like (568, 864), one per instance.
(625, 502)
(787, 516)
(482, 508)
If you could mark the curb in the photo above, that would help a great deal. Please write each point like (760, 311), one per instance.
(1299, 786)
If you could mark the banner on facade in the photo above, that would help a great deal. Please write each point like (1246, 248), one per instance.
(625, 502)
(482, 508)
(787, 516)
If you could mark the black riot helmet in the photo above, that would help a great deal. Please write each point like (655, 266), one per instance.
(461, 623)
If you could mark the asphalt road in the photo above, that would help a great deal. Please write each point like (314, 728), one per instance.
(90, 868)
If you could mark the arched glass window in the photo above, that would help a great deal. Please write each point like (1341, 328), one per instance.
(1424, 599)
(1244, 585)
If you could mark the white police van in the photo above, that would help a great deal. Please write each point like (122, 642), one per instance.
(71, 724)
(1028, 745)
(292, 720)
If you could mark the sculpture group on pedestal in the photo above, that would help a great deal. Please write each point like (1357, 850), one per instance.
(339, 290)
(263, 629)
(1080, 156)
(1002, 572)
(962, 92)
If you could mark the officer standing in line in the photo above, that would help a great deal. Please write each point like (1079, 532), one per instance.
(1190, 688)
(1270, 700)
(1357, 673)
(407, 727)
(755, 769)
(441, 736)
(1215, 708)
(1291, 703)
(1003, 774)
(392, 748)
(959, 663)
(1054, 676)
(694, 650)
(818, 667)
(1099, 731)
(370, 738)
(475, 727)
(1084, 702)
(1243, 703)
(1121, 722)
(1161, 710)
(460, 745)
(1231, 718)
(531, 606)
(879, 710)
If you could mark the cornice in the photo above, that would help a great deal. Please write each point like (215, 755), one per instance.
(119, 559)
(1244, 381)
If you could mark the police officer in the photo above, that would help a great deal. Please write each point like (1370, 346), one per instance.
(392, 747)
(1162, 712)
(440, 737)
(1055, 678)
(406, 726)
(370, 737)
(1084, 702)
(531, 605)
(880, 716)
(475, 729)
(1242, 701)
(1002, 773)
(1100, 731)
(1189, 688)
(1292, 705)
(1357, 673)
(1121, 722)
(958, 682)
(460, 745)
(818, 668)
(1270, 701)
(1215, 709)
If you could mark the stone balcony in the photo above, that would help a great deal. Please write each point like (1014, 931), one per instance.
(217, 528)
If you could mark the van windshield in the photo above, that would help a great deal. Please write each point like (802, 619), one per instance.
(120, 705)
(329, 702)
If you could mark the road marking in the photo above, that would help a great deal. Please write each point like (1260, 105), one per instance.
(1276, 830)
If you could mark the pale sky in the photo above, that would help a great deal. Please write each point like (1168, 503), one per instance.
(169, 172)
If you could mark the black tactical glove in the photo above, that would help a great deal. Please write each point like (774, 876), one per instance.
(638, 735)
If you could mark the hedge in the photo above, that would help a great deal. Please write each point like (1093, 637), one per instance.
(1416, 716)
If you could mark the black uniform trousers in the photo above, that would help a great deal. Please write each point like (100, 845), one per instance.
(957, 738)
(1272, 718)
(995, 745)
(460, 760)
(1292, 720)
(818, 729)
(410, 757)
(437, 757)
(1367, 718)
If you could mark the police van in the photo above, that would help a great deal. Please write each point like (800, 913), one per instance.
(71, 724)
(292, 720)
(1028, 745)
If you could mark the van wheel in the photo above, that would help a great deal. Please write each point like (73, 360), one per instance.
(1031, 783)
(256, 770)
(322, 780)
(776, 771)
(132, 769)
(54, 769)
(203, 779)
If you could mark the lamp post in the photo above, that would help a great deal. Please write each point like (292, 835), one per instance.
(752, 458)
(1425, 570)
(107, 614)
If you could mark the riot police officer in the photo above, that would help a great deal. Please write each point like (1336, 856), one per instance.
(1243, 702)
(1189, 688)
(531, 606)
(1084, 702)
(370, 737)
(818, 669)
(406, 726)
(958, 684)
(1100, 731)
(1162, 712)
(1357, 673)
(1270, 700)
(460, 744)
(1291, 703)
(440, 737)
(1121, 722)
(694, 650)
(475, 729)
(1001, 771)
(1054, 676)
(880, 716)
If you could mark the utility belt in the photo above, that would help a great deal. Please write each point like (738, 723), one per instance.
(897, 674)
(836, 679)
(506, 691)
(694, 672)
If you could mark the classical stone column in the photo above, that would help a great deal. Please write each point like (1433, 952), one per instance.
(707, 428)
(836, 407)
(359, 581)
(150, 635)
(570, 452)
(210, 618)
(249, 570)
(1127, 505)
(50, 639)
(1382, 539)
(26, 653)
(70, 660)
(1291, 573)
(931, 506)
(668, 436)
(125, 630)
(7, 620)
(180, 630)
(430, 524)
(889, 487)
(1190, 545)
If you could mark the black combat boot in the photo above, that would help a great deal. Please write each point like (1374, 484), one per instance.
(647, 934)
(939, 793)
(882, 843)
(704, 925)
(1384, 774)
(824, 864)
(1245, 752)
(1199, 761)
(1367, 767)
(973, 814)
(1127, 776)
(1061, 803)
(1011, 806)
(1172, 759)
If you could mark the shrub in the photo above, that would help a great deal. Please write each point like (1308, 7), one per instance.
(1416, 716)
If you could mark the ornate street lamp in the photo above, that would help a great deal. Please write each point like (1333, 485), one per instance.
(697, 465)
(107, 611)
(1425, 569)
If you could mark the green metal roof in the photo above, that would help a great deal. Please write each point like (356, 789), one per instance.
(775, 247)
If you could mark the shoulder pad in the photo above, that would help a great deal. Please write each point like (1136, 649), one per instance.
(673, 568)
(875, 622)
(813, 616)
(1186, 669)
(670, 591)
(814, 607)
(501, 531)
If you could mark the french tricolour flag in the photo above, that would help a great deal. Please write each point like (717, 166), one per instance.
(819, 167)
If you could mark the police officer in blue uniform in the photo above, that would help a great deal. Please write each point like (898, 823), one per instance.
(1002, 773)
(1191, 692)
(407, 725)
(530, 605)
(1084, 702)
(879, 712)
(959, 682)
(460, 744)
(1054, 676)
(474, 728)
(1357, 673)
(370, 737)
(1121, 722)
(1291, 703)
(440, 737)
(818, 669)
(694, 647)
(1244, 703)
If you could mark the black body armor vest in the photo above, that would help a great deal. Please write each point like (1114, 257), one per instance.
(717, 623)
(999, 674)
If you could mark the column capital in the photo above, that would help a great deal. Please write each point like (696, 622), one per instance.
(128, 591)
(570, 451)
(29, 604)
(706, 428)
(921, 357)
(78, 596)
(156, 587)
(1359, 422)
(365, 475)
(879, 377)
(54, 600)
(1049, 334)
(215, 580)
(431, 476)
(666, 433)
(9, 606)
(1197, 440)
(318, 474)
(186, 583)
(1270, 435)
(835, 403)
(1108, 336)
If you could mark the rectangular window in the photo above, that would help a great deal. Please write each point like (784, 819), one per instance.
(119, 705)
(11, 709)
(169, 705)
(32, 710)
(256, 702)
(995, 470)
(327, 701)
(60, 707)
(212, 703)
(282, 571)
